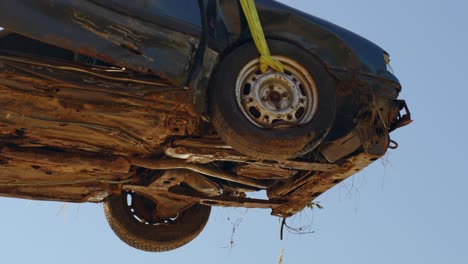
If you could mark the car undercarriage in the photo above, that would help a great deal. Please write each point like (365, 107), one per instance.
(82, 131)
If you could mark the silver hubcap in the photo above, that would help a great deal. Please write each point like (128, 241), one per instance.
(273, 99)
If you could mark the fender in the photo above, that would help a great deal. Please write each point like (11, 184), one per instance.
(338, 48)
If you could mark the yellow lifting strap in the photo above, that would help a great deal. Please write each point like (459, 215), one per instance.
(266, 61)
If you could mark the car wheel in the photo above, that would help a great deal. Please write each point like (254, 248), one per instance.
(134, 220)
(272, 115)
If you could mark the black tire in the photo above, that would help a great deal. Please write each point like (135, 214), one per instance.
(154, 238)
(267, 143)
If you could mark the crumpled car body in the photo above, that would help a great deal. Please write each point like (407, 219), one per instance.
(157, 108)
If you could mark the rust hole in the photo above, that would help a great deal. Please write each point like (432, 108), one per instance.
(20, 132)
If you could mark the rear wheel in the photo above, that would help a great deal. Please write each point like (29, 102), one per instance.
(134, 219)
(272, 115)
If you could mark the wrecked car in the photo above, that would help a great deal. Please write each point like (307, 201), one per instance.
(162, 112)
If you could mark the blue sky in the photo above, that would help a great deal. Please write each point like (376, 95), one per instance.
(409, 208)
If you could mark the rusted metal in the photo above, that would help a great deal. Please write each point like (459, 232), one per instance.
(333, 151)
(282, 189)
(35, 173)
(206, 155)
(110, 74)
(402, 120)
(264, 171)
(68, 162)
(194, 180)
(203, 169)
(202, 184)
(76, 194)
(226, 201)
(313, 185)
(206, 150)
(168, 204)
(79, 110)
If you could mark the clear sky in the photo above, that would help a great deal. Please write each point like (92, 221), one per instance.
(411, 208)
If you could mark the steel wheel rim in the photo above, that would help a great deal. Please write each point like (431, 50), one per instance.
(273, 99)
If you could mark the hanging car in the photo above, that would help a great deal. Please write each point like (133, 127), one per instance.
(162, 112)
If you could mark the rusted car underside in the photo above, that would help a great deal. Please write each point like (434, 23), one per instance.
(75, 133)
(76, 127)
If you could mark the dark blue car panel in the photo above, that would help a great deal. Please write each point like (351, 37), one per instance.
(91, 29)
(186, 12)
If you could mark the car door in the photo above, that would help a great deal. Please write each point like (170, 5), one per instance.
(178, 15)
(153, 36)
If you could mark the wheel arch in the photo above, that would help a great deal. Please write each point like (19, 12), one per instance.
(319, 37)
